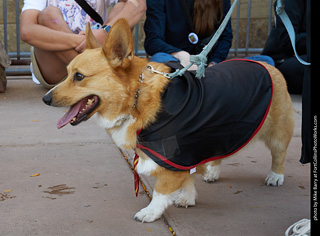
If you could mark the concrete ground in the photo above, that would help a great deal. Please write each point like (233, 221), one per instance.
(85, 186)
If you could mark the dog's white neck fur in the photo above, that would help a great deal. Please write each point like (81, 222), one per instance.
(121, 123)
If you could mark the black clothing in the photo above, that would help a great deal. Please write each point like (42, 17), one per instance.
(210, 118)
(307, 113)
(278, 45)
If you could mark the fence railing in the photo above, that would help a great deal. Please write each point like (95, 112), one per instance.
(247, 50)
(242, 32)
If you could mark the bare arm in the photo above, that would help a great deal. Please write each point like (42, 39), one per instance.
(43, 37)
(131, 10)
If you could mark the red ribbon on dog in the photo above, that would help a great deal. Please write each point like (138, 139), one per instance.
(136, 176)
(135, 163)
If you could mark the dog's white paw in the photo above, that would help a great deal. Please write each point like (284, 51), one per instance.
(147, 215)
(274, 179)
(212, 173)
(155, 209)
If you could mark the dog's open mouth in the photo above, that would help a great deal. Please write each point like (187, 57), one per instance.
(80, 111)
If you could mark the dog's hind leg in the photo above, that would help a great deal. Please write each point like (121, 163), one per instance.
(277, 139)
(212, 171)
(171, 187)
(276, 175)
(278, 127)
(187, 194)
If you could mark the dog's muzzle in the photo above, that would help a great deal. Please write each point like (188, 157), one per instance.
(47, 99)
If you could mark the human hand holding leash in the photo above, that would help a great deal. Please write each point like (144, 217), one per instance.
(184, 58)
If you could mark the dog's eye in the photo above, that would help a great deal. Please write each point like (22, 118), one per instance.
(78, 76)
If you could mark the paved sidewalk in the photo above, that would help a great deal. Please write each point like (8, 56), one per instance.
(85, 186)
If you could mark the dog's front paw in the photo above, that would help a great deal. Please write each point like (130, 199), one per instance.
(147, 215)
(274, 179)
(212, 173)
(155, 209)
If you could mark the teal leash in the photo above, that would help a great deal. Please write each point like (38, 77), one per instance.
(201, 59)
(287, 23)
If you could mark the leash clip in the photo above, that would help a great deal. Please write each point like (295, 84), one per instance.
(152, 70)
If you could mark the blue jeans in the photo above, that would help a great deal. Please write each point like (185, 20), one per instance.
(161, 57)
(263, 58)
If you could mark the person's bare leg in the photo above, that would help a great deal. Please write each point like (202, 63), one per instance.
(52, 64)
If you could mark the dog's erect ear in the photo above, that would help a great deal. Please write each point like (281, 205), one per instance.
(91, 41)
(118, 47)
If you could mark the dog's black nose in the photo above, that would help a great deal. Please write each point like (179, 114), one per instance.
(47, 99)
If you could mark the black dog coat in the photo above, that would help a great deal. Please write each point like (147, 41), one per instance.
(210, 118)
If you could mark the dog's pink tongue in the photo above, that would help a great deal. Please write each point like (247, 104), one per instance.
(69, 115)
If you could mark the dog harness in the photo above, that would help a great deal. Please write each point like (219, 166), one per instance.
(206, 119)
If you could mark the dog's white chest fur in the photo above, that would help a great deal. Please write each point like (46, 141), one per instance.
(119, 135)
(145, 166)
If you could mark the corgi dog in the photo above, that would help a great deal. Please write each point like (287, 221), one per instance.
(125, 92)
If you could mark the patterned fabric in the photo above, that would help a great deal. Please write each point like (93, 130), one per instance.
(72, 13)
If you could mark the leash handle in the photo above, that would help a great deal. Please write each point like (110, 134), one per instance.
(288, 25)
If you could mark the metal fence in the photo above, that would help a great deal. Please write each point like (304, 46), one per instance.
(18, 54)
(247, 50)
(21, 57)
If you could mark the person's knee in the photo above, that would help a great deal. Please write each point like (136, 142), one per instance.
(162, 57)
(49, 16)
(293, 72)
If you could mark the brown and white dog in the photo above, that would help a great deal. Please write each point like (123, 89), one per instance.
(104, 81)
